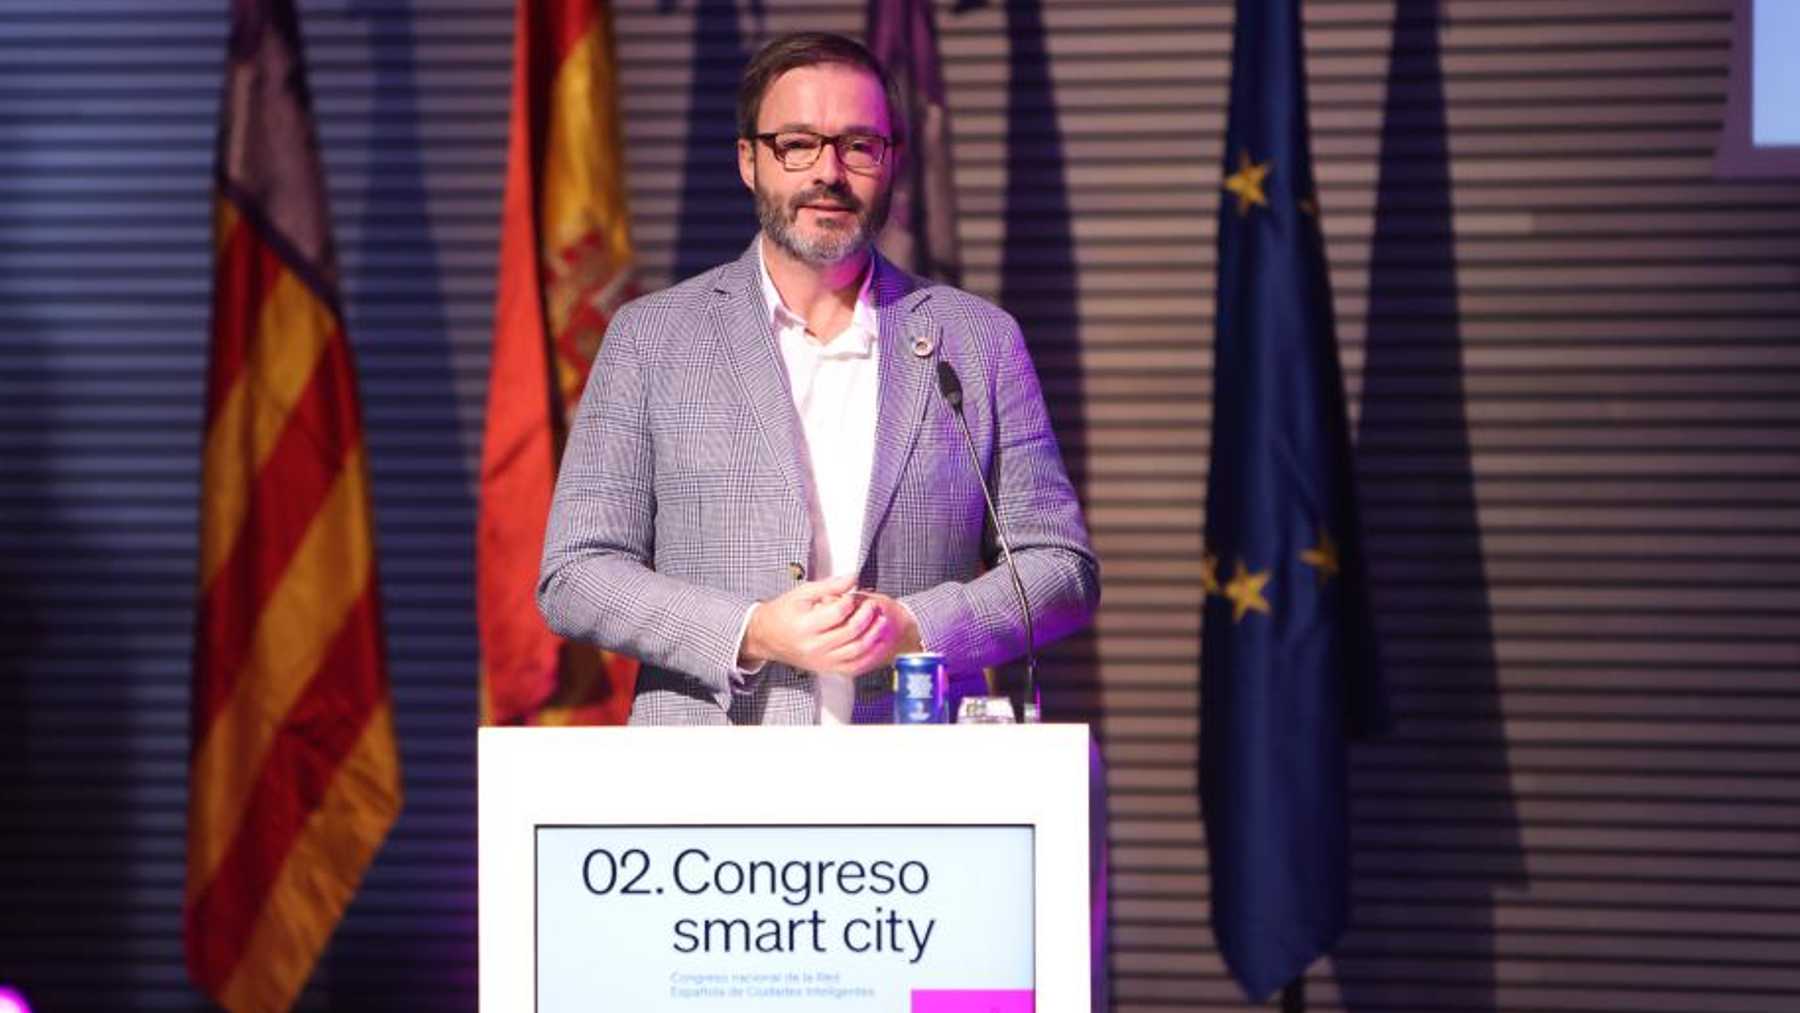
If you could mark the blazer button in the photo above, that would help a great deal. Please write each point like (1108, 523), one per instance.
(796, 571)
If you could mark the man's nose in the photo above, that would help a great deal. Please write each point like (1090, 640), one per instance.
(829, 168)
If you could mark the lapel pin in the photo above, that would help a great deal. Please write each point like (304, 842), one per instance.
(923, 345)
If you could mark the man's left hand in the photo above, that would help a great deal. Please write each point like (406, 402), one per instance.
(891, 633)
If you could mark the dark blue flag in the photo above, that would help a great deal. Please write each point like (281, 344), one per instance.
(1287, 668)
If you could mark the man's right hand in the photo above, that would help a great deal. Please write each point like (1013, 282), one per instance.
(810, 626)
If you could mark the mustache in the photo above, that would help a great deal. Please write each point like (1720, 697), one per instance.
(839, 194)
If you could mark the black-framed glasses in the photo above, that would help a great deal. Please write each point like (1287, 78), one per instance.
(799, 149)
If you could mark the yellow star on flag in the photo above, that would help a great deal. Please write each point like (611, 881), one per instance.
(1245, 592)
(1209, 573)
(1322, 557)
(1247, 183)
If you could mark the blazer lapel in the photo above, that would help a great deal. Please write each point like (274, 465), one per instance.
(744, 329)
(907, 381)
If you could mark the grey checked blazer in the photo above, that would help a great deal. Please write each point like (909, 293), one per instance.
(680, 502)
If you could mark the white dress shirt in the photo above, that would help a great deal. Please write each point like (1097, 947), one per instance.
(835, 386)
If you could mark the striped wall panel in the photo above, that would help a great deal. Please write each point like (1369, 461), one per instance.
(103, 275)
(1573, 363)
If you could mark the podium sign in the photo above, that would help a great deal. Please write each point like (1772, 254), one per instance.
(929, 869)
(646, 916)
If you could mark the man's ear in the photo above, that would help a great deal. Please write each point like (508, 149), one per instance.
(746, 152)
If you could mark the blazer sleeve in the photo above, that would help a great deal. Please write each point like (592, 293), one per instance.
(597, 582)
(977, 624)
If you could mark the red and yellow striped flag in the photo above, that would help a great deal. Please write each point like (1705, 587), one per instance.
(294, 776)
(565, 267)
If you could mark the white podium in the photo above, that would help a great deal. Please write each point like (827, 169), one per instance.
(881, 869)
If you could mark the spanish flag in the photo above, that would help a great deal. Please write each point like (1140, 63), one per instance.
(565, 267)
(294, 777)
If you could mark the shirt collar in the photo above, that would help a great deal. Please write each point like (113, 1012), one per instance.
(855, 342)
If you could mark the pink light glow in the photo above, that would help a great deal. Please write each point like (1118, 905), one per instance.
(973, 1001)
(13, 1001)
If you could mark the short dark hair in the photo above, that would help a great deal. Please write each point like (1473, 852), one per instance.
(811, 49)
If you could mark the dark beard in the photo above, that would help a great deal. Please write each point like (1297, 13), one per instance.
(778, 220)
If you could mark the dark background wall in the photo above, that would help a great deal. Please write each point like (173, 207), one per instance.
(1572, 355)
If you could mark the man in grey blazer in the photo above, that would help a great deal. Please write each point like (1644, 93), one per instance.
(764, 495)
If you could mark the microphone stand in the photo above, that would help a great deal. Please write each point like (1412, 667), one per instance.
(950, 385)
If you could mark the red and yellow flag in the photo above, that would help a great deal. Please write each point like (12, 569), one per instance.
(565, 267)
(294, 777)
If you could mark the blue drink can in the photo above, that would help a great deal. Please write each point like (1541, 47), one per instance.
(919, 689)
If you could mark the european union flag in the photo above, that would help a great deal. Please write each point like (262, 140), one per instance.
(1287, 669)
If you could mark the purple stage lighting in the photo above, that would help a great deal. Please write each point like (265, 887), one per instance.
(13, 1001)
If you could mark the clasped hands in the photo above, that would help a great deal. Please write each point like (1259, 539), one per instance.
(829, 626)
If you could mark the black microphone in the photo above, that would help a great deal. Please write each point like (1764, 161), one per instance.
(950, 385)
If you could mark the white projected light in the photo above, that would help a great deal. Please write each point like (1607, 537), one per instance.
(1775, 74)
